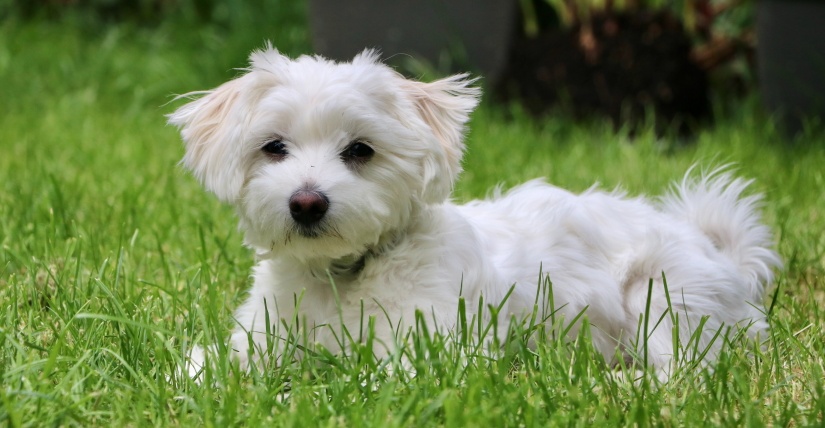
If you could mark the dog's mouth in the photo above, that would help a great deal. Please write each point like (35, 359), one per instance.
(312, 231)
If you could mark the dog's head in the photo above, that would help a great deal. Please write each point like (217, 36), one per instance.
(324, 159)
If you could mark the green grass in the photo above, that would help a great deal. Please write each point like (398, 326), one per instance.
(113, 260)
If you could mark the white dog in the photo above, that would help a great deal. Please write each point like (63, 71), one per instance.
(341, 175)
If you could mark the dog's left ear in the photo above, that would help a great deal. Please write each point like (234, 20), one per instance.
(445, 106)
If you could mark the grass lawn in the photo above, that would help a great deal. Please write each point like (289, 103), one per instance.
(113, 259)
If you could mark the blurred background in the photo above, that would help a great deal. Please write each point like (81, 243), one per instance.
(632, 62)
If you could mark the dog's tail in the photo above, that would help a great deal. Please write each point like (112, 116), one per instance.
(715, 203)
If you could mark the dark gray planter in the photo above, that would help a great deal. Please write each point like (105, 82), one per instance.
(791, 58)
(476, 33)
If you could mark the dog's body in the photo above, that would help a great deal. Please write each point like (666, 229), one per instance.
(341, 174)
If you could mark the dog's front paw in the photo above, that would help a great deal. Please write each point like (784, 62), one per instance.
(192, 366)
(198, 358)
(195, 364)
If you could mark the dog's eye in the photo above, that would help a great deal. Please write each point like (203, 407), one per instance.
(275, 148)
(357, 152)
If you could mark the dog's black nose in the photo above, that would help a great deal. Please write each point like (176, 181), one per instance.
(308, 206)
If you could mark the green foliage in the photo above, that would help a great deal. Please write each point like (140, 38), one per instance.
(228, 13)
(113, 261)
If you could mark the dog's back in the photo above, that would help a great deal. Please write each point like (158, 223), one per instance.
(703, 245)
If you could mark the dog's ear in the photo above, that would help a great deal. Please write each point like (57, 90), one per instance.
(445, 106)
(208, 129)
(213, 130)
(213, 127)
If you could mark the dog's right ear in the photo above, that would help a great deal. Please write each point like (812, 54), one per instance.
(207, 129)
(214, 126)
(213, 130)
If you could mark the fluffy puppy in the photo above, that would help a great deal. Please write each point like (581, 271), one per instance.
(341, 175)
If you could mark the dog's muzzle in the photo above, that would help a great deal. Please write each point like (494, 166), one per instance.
(308, 207)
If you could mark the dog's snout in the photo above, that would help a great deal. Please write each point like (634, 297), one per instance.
(308, 206)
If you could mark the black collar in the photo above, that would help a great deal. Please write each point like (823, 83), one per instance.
(350, 267)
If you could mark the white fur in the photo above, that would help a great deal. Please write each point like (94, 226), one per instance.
(419, 251)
